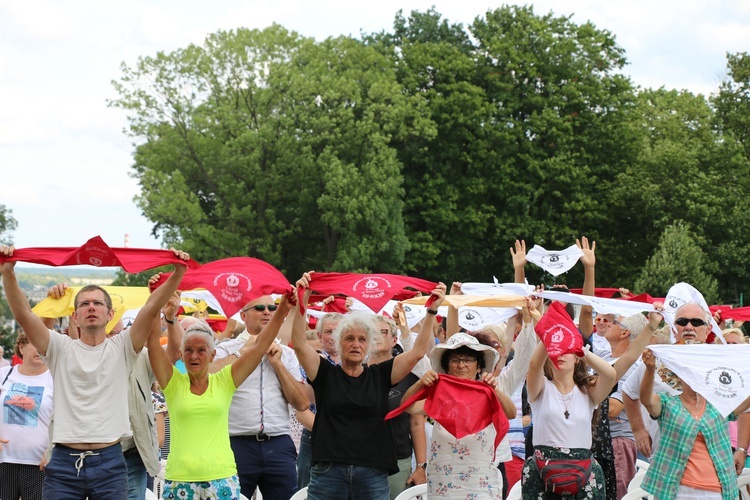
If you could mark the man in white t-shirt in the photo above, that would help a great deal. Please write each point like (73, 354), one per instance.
(91, 385)
(259, 420)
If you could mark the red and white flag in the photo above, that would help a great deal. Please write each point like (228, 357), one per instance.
(235, 281)
(558, 333)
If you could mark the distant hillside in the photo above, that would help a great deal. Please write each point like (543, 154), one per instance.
(36, 280)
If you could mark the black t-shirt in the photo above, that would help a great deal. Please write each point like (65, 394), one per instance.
(350, 426)
(401, 425)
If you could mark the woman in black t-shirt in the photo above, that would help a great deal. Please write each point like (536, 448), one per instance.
(352, 444)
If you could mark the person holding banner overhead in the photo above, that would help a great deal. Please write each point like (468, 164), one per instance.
(563, 398)
(695, 458)
(352, 445)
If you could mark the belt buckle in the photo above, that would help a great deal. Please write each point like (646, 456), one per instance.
(262, 437)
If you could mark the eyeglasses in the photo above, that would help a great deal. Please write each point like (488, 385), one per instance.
(615, 322)
(458, 361)
(262, 307)
(603, 320)
(696, 322)
(96, 303)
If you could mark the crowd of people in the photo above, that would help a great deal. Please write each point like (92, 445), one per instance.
(358, 405)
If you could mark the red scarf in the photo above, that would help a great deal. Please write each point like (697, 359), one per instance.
(462, 406)
(558, 333)
(97, 253)
(235, 281)
(373, 290)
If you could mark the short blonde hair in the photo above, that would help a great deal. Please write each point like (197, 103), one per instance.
(737, 332)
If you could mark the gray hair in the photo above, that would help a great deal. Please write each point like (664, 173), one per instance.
(358, 321)
(200, 329)
(634, 324)
(328, 317)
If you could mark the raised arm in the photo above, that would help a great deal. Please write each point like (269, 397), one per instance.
(250, 357)
(141, 328)
(160, 364)
(586, 319)
(535, 375)
(605, 380)
(519, 261)
(403, 363)
(293, 389)
(649, 398)
(174, 328)
(35, 329)
(638, 344)
(308, 358)
(451, 321)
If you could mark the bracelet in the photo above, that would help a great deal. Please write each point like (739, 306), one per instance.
(431, 311)
(237, 354)
(743, 450)
(422, 464)
(653, 328)
(171, 322)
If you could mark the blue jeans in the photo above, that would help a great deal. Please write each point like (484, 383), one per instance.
(74, 474)
(328, 481)
(136, 474)
(304, 459)
(271, 465)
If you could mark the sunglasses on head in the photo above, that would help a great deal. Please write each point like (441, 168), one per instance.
(696, 322)
(262, 307)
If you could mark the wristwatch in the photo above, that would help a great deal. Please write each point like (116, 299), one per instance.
(743, 450)
(237, 354)
(422, 464)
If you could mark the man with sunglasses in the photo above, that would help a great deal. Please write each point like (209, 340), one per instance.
(259, 425)
(690, 325)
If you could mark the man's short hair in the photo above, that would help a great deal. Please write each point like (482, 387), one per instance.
(91, 288)
(634, 324)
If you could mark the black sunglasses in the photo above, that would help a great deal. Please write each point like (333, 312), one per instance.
(262, 307)
(696, 322)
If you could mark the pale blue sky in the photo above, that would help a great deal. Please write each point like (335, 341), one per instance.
(64, 158)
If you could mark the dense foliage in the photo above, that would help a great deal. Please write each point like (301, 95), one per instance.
(430, 148)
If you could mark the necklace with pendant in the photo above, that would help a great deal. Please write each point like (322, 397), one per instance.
(566, 402)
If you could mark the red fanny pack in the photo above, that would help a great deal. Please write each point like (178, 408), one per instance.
(563, 476)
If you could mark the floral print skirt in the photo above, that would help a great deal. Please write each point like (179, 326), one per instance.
(532, 487)
(218, 489)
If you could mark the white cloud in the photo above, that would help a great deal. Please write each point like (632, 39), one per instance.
(69, 160)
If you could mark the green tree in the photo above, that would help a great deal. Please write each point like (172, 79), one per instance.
(733, 99)
(268, 144)
(685, 170)
(7, 224)
(138, 279)
(678, 258)
(529, 116)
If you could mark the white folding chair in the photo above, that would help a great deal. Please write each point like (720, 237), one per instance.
(515, 492)
(641, 464)
(637, 480)
(418, 491)
(637, 494)
(300, 495)
(150, 495)
(742, 482)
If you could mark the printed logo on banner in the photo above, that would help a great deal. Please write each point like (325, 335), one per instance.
(553, 261)
(95, 255)
(471, 318)
(561, 339)
(725, 382)
(372, 287)
(232, 286)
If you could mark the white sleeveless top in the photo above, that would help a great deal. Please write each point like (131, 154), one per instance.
(551, 428)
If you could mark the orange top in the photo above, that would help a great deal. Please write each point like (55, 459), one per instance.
(700, 472)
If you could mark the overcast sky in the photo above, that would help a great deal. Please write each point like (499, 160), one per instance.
(65, 162)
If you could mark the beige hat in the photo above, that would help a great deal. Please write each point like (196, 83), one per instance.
(490, 355)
